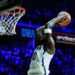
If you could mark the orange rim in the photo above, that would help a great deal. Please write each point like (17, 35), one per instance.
(19, 8)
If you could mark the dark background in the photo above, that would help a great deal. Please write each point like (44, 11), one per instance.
(15, 54)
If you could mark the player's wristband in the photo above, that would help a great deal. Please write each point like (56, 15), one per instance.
(48, 30)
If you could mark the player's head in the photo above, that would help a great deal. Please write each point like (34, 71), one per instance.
(48, 32)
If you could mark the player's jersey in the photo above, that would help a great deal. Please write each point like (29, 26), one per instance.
(40, 62)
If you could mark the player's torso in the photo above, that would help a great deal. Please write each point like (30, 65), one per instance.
(37, 56)
(39, 62)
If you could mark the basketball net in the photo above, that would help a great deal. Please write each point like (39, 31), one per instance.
(9, 19)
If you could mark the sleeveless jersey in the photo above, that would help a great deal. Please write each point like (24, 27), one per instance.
(40, 62)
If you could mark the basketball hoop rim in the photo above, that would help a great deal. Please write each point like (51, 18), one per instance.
(19, 8)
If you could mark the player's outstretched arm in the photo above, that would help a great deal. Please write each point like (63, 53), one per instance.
(50, 24)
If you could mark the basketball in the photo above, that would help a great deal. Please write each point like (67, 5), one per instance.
(64, 21)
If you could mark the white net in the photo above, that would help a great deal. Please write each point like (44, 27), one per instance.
(9, 20)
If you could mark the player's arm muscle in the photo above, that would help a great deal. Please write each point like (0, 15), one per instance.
(51, 24)
(50, 44)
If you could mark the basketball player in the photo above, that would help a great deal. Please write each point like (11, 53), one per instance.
(45, 48)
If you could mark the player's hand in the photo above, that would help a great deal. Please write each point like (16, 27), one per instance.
(62, 16)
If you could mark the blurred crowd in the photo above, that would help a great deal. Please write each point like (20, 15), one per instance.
(15, 59)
